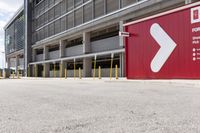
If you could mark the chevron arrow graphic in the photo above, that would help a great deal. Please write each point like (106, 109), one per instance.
(167, 46)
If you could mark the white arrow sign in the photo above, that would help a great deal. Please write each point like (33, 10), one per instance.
(167, 46)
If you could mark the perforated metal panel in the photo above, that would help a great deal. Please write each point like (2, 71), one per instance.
(79, 16)
(46, 33)
(14, 35)
(42, 20)
(46, 5)
(57, 10)
(42, 7)
(34, 37)
(33, 25)
(63, 24)
(99, 8)
(51, 29)
(70, 4)
(10, 38)
(19, 33)
(42, 33)
(51, 14)
(128, 2)
(39, 35)
(85, 0)
(63, 7)
(51, 3)
(57, 26)
(57, 1)
(88, 15)
(77, 2)
(46, 18)
(70, 19)
(112, 5)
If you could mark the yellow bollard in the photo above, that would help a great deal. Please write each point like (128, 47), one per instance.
(116, 72)
(54, 70)
(80, 76)
(74, 70)
(65, 73)
(99, 72)
(61, 70)
(94, 74)
(111, 65)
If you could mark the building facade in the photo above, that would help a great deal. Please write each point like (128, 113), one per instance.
(15, 41)
(45, 37)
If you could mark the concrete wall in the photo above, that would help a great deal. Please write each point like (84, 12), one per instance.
(12, 63)
(70, 73)
(73, 51)
(39, 57)
(106, 72)
(21, 63)
(54, 54)
(51, 74)
(105, 44)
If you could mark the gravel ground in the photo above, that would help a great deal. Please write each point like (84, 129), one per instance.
(93, 106)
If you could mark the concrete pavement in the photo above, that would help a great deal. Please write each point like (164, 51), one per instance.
(99, 106)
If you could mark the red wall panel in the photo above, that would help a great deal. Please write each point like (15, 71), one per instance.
(181, 26)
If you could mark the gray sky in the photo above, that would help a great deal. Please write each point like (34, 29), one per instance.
(7, 10)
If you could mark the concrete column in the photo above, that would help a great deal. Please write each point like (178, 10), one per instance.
(27, 34)
(8, 66)
(122, 65)
(16, 64)
(87, 62)
(33, 70)
(64, 64)
(121, 39)
(34, 55)
(30, 71)
(87, 67)
(8, 62)
(86, 43)
(46, 69)
(62, 48)
(46, 53)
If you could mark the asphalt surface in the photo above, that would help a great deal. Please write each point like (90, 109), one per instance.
(93, 106)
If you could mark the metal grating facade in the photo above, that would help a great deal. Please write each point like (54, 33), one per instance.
(51, 17)
(14, 35)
